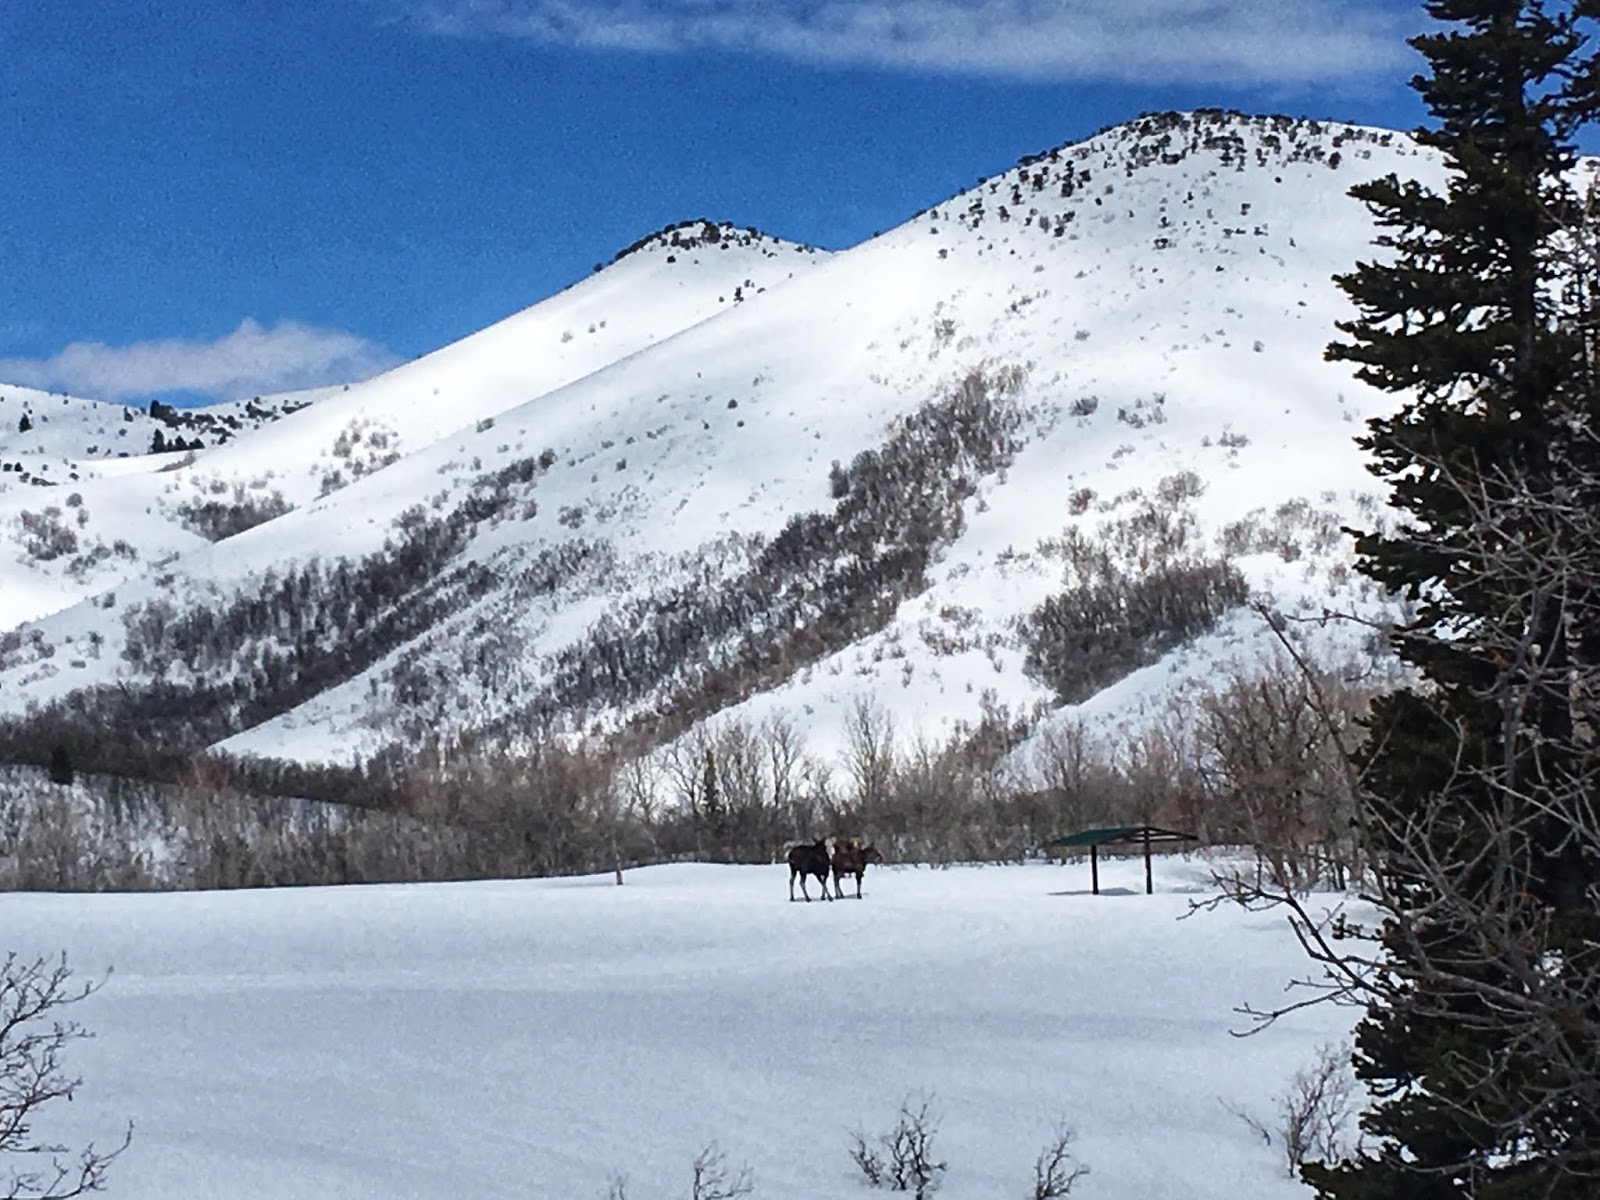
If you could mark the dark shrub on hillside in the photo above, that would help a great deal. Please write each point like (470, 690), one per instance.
(216, 520)
(1113, 623)
(45, 535)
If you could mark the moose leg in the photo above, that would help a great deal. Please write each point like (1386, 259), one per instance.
(792, 874)
(859, 874)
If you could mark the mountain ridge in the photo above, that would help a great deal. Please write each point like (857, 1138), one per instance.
(1099, 367)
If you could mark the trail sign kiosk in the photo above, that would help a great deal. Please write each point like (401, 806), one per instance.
(1120, 835)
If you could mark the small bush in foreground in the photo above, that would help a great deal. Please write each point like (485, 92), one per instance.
(902, 1160)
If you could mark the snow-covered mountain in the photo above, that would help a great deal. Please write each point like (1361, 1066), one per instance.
(52, 438)
(1038, 444)
(132, 512)
(49, 558)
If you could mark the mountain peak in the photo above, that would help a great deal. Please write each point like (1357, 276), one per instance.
(1237, 138)
(703, 233)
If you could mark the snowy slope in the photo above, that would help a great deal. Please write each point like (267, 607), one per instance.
(55, 549)
(1148, 310)
(51, 438)
(536, 1038)
(162, 505)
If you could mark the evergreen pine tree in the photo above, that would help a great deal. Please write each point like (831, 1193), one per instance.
(1471, 776)
(61, 771)
(712, 808)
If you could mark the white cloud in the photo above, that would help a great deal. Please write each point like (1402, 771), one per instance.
(252, 360)
(1228, 41)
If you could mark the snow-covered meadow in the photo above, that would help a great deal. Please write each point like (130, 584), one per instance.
(536, 1038)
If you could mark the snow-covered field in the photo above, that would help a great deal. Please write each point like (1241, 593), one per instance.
(534, 1038)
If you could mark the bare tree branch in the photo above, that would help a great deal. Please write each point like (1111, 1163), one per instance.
(33, 1039)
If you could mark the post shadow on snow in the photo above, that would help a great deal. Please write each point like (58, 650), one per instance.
(1184, 889)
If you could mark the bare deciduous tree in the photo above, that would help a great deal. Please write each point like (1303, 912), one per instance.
(1272, 768)
(867, 1158)
(713, 1179)
(869, 750)
(33, 1040)
(1056, 1170)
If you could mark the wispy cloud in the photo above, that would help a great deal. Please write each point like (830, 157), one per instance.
(252, 360)
(1271, 42)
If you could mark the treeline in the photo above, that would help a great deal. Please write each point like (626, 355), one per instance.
(1257, 761)
(111, 833)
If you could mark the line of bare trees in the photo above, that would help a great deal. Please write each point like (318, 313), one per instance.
(1254, 760)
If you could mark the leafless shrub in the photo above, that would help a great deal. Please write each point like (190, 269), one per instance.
(912, 1167)
(1291, 529)
(1255, 1124)
(1311, 1117)
(33, 1038)
(1315, 1110)
(712, 1177)
(45, 535)
(866, 1157)
(217, 520)
(1056, 1169)
(1175, 489)
(906, 1163)
(349, 438)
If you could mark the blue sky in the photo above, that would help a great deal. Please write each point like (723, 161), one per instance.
(227, 197)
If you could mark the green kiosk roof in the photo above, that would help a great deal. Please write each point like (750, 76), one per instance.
(1122, 833)
(1140, 835)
